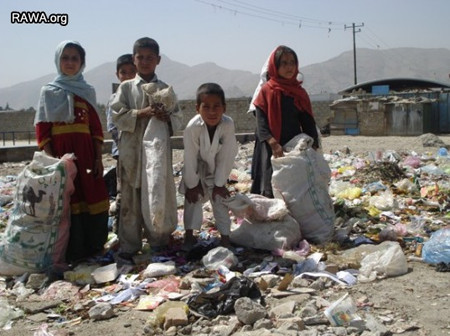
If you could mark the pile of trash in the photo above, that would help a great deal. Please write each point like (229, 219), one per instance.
(389, 208)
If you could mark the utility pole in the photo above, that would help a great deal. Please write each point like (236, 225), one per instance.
(353, 26)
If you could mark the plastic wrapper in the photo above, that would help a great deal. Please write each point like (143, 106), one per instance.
(437, 249)
(342, 312)
(388, 261)
(219, 256)
(221, 302)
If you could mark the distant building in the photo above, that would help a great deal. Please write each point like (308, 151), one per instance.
(397, 106)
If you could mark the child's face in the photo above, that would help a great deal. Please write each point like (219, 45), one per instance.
(70, 61)
(146, 61)
(288, 66)
(126, 71)
(211, 109)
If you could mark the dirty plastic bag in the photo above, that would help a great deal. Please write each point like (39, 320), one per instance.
(222, 301)
(281, 234)
(256, 207)
(342, 312)
(219, 256)
(301, 179)
(388, 261)
(37, 232)
(159, 269)
(384, 201)
(338, 186)
(437, 249)
(266, 223)
(158, 192)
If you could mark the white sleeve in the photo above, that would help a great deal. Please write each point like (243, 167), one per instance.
(226, 155)
(123, 116)
(191, 143)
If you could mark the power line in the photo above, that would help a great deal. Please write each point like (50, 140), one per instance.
(286, 15)
(394, 51)
(271, 15)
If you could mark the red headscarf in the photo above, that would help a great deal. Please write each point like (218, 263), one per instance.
(269, 98)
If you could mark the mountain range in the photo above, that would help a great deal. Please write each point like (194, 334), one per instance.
(328, 77)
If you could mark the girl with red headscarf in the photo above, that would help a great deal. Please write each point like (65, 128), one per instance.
(283, 110)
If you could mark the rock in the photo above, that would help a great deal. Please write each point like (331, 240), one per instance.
(172, 331)
(248, 311)
(293, 323)
(283, 310)
(272, 280)
(308, 311)
(175, 317)
(33, 307)
(36, 280)
(101, 311)
(263, 324)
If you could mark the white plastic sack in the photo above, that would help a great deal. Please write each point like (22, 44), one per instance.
(219, 256)
(159, 269)
(256, 207)
(158, 193)
(37, 232)
(301, 179)
(267, 235)
(266, 225)
(388, 261)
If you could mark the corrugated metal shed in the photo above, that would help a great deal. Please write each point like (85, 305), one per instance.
(392, 106)
(396, 84)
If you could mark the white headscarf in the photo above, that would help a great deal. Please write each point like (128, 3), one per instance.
(56, 98)
(262, 80)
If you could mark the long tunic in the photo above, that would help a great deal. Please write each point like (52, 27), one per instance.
(293, 123)
(91, 195)
(130, 98)
(217, 156)
(208, 161)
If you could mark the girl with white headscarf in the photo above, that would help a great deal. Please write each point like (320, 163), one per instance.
(67, 121)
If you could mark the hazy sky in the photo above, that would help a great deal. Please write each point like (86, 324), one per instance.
(233, 34)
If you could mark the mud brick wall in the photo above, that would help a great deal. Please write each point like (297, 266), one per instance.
(22, 122)
(371, 118)
(19, 122)
(245, 122)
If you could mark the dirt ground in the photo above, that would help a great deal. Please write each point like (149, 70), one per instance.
(420, 298)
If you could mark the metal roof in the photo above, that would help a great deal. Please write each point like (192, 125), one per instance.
(397, 84)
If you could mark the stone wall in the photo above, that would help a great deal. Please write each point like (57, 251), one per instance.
(371, 118)
(245, 122)
(21, 123)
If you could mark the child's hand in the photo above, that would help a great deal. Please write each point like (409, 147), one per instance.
(195, 194)
(146, 112)
(159, 111)
(277, 149)
(220, 191)
(98, 168)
